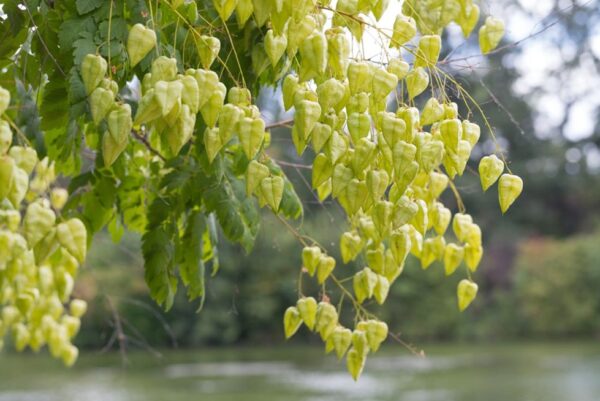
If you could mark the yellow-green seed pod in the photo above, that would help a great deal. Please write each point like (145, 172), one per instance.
(468, 20)
(93, 70)
(38, 221)
(473, 254)
(398, 67)
(112, 149)
(275, 46)
(490, 169)
(325, 267)
(377, 332)
(4, 100)
(163, 69)
(140, 42)
(6, 137)
(433, 112)
(350, 246)
(359, 77)
(243, 11)
(119, 123)
(405, 28)
(307, 308)
(490, 34)
(364, 284)
(271, 188)
(416, 82)
(453, 256)
(380, 292)
(101, 101)
(291, 321)
(466, 292)
(383, 83)
(314, 53)
(428, 50)
(338, 51)
(327, 319)
(225, 8)
(212, 142)
(320, 134)
(341, 338)
(509, 188)
(208, 50)
(251, 134)
(311, 257)
(7, 168)
(307, 114)
(355, 362)
(72, 235)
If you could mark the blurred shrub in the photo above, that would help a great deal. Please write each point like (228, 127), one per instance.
(557, 286)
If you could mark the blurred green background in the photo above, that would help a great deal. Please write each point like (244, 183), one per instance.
(533, 332)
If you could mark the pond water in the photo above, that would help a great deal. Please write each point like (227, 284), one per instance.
(516, 372)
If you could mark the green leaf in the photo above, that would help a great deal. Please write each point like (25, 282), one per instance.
(85, 6)
(191, 263)
(158, 251)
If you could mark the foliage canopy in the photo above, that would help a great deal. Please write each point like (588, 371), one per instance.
(147, 107)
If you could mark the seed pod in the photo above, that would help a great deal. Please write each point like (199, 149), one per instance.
(212, 143)
(271, 188)
(72, 235)
(119, 123)
(466, 292)
(416, 82)
(355, 362)
(381, 291)
(251, 134)
(212, 108)
(471, 132)
(7, 168)
(307, 115)
(311, 257)
(461, 225)
(377, 183)
(359, 338)
(398, 67)
(38, 221)
(428, 50)
(167, 95)
(93, 70)
(350, 246)
(405, 28)
(255, 173)
(400, 245)
(275, 46)
(490, 34)
(163, 69)
(111, 149)
(327, 319)
(101, 101)
(243, 11)
(359, 77)
(4, 100)
(325, 267)
(190, 93)
(383, 83)
(364, 284)
(307, 308)
(451, 132)
(228, 122)
(359, 126)
(291, 321)
(468, 21)
(341, 177)
(432, 112)
(322, 170)
(453, 256)
(208, 50)
(377, 332)
(336, 147)
(19, 186)
(473, 254)
(341, 338)
(6, 136)
(320, 134)
(355, 196)
(314, 53)
(225, 8)
(289, 87)
(24, 158)
(298, 30)
(358, 103)
(139, 43)
(509, 188)
(338, 51)
(375, 258)
(490, 169)
(331, 94)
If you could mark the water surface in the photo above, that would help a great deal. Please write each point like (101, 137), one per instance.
(517, 372)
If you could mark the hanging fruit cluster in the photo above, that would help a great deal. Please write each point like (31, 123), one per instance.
(40, 252)
(386, 169)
